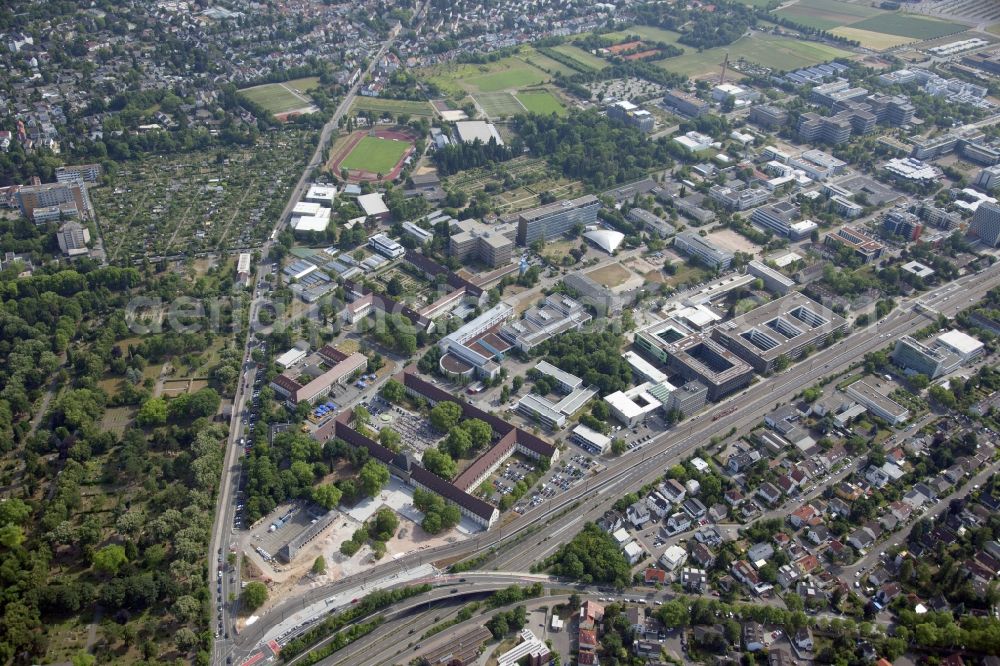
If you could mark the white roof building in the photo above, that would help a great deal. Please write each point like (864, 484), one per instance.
(303, 208)
(673, 557)
(372, 204)
(318, 222)
(633, 552)
(321, 193)
(290, 357)
(644, 368)
(468, 131)
(605, 239)
(634, 405)
(960, 343)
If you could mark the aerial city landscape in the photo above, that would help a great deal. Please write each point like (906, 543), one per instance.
(454, 333)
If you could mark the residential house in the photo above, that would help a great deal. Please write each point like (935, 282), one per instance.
(653, 576)
(672, 490)
(703, 555)
(753, 636)
(769, 493)
(787, 575)
(760, 552)
(819, 534)
(694, 508)
(802, 515)
(638, 514)
(803, 639)
(694, 580)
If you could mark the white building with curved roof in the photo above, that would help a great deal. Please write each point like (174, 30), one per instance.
(605, 239)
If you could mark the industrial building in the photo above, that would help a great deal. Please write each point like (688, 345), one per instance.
(373, 206)
(695, 246)
(784, 328)
(556, 219)
(554, 315)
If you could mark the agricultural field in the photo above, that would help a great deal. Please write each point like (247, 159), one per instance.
(587, 61)
(375, 155)
(876, 41)
(167, 205)
(541, 101)
(498, 104)
(908, 25)
(547, 64)
(393, 107)
(826, 14)
(780, 53)
(282, 97)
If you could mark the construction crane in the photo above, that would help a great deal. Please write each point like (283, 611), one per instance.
(725, 66)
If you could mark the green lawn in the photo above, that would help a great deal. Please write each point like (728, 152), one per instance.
(519, 74)
(909, 25)
(547, 64)
(375, 155)
(780, 53)
(541, 101)
(653, 34)
(586, 60)
(809, 19)
(282, 97)
(393, 106)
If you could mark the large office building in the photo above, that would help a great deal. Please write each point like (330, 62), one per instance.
(743, 199)
(553, 413)
(782, 329)
(780, 218)
(695, 246)
(87, 173)
(652, 223)
(986, 223)
(878, 404)
(556, 219)
(769, 117)
(632, 115)
(988, 178)
(865, 247)
(773, 280)
(685, 103)
(695, 357)
(69, 199)
(918, 358)
(492, 245)
(901, 222)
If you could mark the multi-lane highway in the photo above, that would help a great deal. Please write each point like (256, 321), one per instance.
(518, 542)
(220, 573)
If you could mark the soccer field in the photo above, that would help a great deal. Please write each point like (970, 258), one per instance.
(541, 101)
(375, 155)
(282, 97)
(519, 74)
(499, 104)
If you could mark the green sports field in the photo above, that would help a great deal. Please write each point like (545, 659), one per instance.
(541, 101)
(392, 106)
(520, 74)
(908, 25)
(498, 104)
(375, 155)
(282, 97)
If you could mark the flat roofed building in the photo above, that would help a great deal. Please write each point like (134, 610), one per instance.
(555, 315)
(373, 205)
(556, 219)
(492, 245)
(878, 404)
(686, 103)
(481, 358)
(917, 358)
(644, 368)
(777, 217)
(653, 223)
(694, 245)
(73, 238)
(698, 357)
(386, 246)
(541, 410)
(321, 193)
(56, 196)
(784, 328)
(291, 357)
(866, 247)
(773, 280)
(567, 382)
(591, 440)
(468, 131)
(962, 344)
(418, 233)
(632, 406)
(87, 173)
(986, 223)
